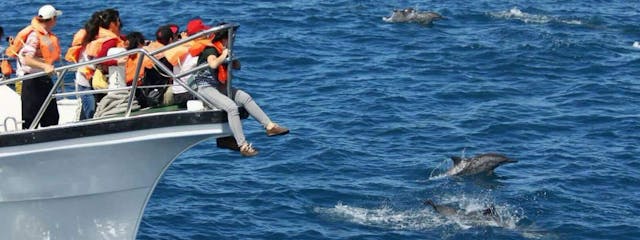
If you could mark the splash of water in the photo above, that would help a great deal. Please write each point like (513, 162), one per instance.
(384, 217)
(516, 13)
(440, 171)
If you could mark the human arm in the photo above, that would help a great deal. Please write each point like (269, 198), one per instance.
(37, 63)
(105, 49)
(215, 61)
(28, 53)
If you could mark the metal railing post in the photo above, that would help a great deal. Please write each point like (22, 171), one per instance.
(230, 41)
(134, 84)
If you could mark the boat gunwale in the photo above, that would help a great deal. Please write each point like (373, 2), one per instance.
(111, 125)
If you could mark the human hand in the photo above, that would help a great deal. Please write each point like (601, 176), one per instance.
(122, 60)
(48, 69)
(225, 53)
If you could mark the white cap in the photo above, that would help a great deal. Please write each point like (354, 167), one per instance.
(48, 12)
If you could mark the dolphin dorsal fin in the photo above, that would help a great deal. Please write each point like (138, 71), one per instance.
(430, 203)
(456, 160)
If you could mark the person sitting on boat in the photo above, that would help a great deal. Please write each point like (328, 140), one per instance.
(152, 75)
(37, 48)
(134, 40)
(212, 86)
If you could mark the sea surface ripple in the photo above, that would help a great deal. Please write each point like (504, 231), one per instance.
(376, 109)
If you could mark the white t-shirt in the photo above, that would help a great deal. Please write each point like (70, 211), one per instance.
(189, 63)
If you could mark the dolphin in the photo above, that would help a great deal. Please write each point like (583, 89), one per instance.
(412, 15)
(482, 163)
(487, 214)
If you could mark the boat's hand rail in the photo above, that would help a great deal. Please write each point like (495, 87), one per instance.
(5, 123)
(62, 70)
(122, 89)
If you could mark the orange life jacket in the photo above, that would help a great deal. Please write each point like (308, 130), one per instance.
(130, 70)
(73, 53)
(147, 63)
(93, 48)
(175, 55)
(194, 48)
(7, 70)
(222, 68)
(49, 48)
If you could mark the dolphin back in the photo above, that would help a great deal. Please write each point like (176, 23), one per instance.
(412, 15)
(482, 163)
(494, 157)
(441, 209)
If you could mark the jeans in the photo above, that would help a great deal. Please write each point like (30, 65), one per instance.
(240, 99)
(88, 103)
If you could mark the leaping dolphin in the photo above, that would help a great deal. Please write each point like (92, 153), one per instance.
(412, 15)
(482, 163)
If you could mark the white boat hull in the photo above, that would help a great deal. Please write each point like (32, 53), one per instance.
(88, 188)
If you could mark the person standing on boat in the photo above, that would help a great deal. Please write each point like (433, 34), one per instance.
(101, 33)
(37, 48)
(212, 86)
(2, 70)
(75, 54)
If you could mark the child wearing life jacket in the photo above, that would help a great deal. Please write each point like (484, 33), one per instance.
(37, 48)
(212, 85)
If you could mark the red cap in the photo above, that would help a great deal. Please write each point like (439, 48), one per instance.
(195, 26)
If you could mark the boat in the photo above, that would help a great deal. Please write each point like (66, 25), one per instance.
(92, 179)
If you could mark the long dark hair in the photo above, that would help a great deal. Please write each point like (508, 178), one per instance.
(135, 40)
(99, 19)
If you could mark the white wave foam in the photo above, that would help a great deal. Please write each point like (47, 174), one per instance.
(385, 217)
(508, 217)
(441, 170)
(426, 219)
(515, 13)
(636, 44)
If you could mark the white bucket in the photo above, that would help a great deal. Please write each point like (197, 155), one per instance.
(195, 105)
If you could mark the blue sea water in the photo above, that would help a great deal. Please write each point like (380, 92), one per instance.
(376, 109)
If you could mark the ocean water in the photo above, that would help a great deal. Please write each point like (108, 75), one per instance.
(376, 109)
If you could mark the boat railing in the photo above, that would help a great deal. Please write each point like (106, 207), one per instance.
(61, 71)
